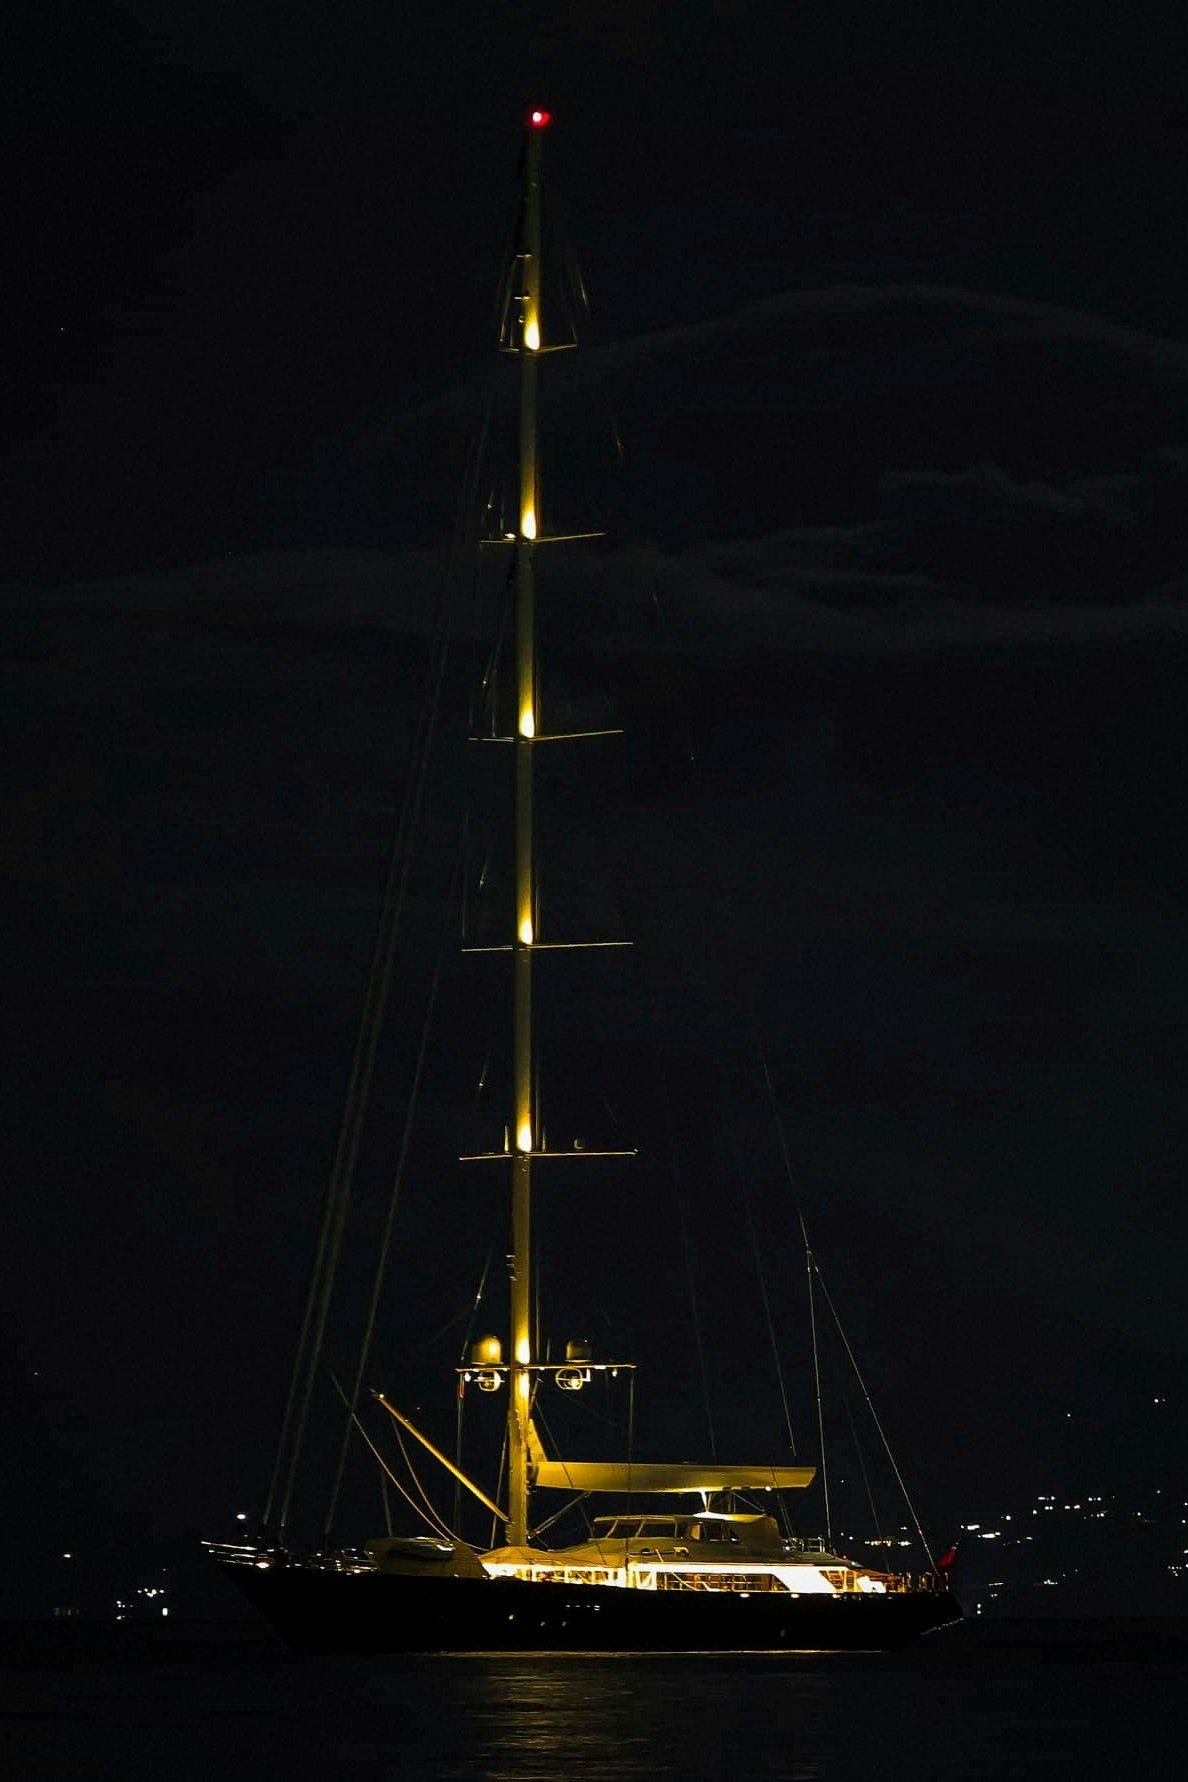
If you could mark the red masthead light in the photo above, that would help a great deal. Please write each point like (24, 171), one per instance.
(539, 120)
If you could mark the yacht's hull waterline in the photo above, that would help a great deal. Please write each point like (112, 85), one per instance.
(317, 1610)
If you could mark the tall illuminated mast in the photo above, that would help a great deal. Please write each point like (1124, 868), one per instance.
(527, 342)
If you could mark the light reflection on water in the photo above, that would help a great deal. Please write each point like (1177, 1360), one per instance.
(919, 1716)
(620, 1717)
(1025, 1707)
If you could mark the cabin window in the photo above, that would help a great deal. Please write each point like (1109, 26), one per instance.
(630, 1528)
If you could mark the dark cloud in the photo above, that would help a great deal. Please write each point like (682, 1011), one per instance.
(882, 443)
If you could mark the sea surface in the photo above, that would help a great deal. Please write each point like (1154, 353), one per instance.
(988, 1700)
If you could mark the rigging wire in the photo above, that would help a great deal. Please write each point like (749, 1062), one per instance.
(385, 1470)
(443, 1330)
(809, 1269)
(311, 1338)
(460, 1400)
(459, 1410)
(578, 1498)
(506, 294)
(574, 298)
(499, 1488)
(814, 1275)
(861, 1457)
(661, 1081)
(485, 699)
(539, 1416)
(775, 1114)
(874, 1416)
(385, 1243)
(812, 1308)
(477, 1302)
(688, 1251)
(775, 1348)
(443, 1529)
(630, 1429)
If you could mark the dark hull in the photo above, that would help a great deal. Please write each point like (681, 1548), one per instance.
(317, 1611)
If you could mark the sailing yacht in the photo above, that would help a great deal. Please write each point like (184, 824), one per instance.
(687, 1556)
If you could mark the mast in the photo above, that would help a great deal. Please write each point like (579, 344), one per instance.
(524, 1127)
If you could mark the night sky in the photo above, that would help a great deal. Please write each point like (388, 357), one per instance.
(883, 404)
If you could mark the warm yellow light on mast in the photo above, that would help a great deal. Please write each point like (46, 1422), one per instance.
(523, 1124)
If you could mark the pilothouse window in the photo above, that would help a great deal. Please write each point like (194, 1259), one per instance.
(630, 1528)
